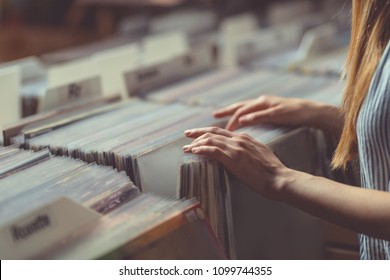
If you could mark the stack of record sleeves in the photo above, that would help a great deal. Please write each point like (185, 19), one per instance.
(30, 180)
(218, 89)
(118, 138)
(207, 180)
(125, 223)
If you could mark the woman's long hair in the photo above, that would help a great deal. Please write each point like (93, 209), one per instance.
(369, 37)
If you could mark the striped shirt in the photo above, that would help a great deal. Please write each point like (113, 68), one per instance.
(373, 131)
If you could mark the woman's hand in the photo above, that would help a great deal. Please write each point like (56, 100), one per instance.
(282, 111)
(250, 161)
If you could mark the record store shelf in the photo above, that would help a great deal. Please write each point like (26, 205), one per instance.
(144, 139)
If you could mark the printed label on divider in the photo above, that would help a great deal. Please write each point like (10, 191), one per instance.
(73, 92)
(39, 230)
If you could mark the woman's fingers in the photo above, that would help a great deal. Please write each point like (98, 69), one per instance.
(266, 116)
(229, 110)
(254, 106)
(195, 133)
(207, 140)
(211, 145)
(218, 147)
(213, 152)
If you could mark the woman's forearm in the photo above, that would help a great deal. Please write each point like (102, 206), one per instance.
(325, 117)
(364, 211)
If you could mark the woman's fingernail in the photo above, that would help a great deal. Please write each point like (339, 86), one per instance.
(195, 150)
(187, 132)
(186, 147)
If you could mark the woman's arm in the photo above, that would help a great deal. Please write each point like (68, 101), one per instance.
(283, 111)
(364, 211)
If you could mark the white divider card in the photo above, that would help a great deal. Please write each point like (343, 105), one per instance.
(318, 40)
(232, 29)
(201, 58)
(38, 231)
(162, 70)
(31, 68)
(188, 21)
(238, 25)
(158, 168)
(71, 93)
(280, 36)
(70, 72)
(113, 64)
(10, 106)
(164, 46)
(152, 76)
(266, 41)
(118, 50)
